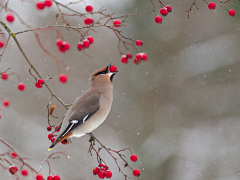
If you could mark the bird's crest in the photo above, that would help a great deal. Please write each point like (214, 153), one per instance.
(97, 72)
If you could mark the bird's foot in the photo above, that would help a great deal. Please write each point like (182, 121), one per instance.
(92, 138)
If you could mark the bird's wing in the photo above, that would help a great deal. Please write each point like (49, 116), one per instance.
(82, 111)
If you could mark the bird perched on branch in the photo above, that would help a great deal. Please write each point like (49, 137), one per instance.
(91, 109)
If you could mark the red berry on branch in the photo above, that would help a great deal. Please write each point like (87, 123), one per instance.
(56, 129)
(211, 5)
(133, 157)
(163, 11)
(48, 3)
(39, 177)
(59, 42)
(136, 61)
(63, 78)
(1, 44)
(66, 45)
(138, 56)
(169, 8)
(231, 12)
(106, 167)
(49, 128)
(108, 174)
(13, 169)
(80, 46)
(13, 155)
(124, 59)
(129, 55)
(136, 172)
(38, 85)
(40, 5)
(101, 165)
(56, 177)
(139, 43)
(10, 18)
(144, 57)
(62, 49)
(64, 141)
(40, 81)
(53, 139)
(90, 39)
(101, 174)
(6, 102)
(21, 87)
(96, 171)
(113, 68)
(4, 76)
(24, 172)
(89, 8)
(117, 23)
(158, 19)
(86, 43)
(88, 21)
(50, 178)
(50, 136)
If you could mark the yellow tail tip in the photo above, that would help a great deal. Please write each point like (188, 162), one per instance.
(49, 149)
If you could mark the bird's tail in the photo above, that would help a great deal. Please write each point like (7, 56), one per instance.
(60, 138)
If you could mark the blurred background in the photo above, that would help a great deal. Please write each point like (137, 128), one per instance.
(178, 111)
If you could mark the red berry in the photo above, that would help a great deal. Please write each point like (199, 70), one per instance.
(88, 21)
(136, 172)
(50, 136)
(129, 55)
(62, 49)
(113, 68)
(211, 6)
(124, 59)
(56, 177)
(138, 56)
(86, 43)
(13, 169)
(101, 165)
(106, 167)
(139, 43)
(59, 42)
(48, 3)
(6, 102)
(169, 8)
(80, 46)
(136, 61)
(63, 78)
(38, 85)
(39, 177)
(50, 178)
(21, 87)
(117, 23)
(49, 128)
(163, 11)
(89, 8)
(133, 157)
(101, 174)
(1, 44)
(56, 129)
(10, 18)
(66, 45)
(53, 139)
(40, 5)
(40, 81)
(13, 155)
(231, 12)
(4, 76)
(64, 141)
(24, 172)
(144, 57)
(90, 39)
(0, 116)
(108, 174)
(158, 19)
(96, 170)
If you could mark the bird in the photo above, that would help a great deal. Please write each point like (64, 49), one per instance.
(91, 109)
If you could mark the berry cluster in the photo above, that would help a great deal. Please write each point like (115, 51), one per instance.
(39, 83)
(63, 46)
(85, 43)
(42, 4)
(163, 11)
(55, 177)
(212, 6)
(21, 86)
(102, 171)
